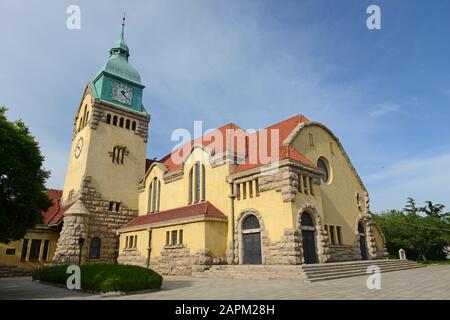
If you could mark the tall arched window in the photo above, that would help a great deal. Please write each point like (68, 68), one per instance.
(203, 183)
(197, 183)
(95, 248)
(115, 121)
(108, 118)
(190, 184)
(127, 124)
(133, 126)
(154, 195)
(121, 122)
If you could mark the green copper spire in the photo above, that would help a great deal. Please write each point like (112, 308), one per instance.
(120, 47)
(118, 70)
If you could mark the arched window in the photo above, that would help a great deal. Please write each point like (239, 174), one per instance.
(94, 248)
(190, 184)
(197, 182)
(250, 222)
(87, 118)
(127, 124)
(80, 126)
(115, 121)
(121, 122)
(154, 195)
(203, 183)
(108, 118)
(323, 166)
(306, 220)
(133, 126)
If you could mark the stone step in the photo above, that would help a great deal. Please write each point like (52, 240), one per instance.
(307, 273)
(347, 268)
(353, 263)
(11, 271)
(361, 270)
(351, 274)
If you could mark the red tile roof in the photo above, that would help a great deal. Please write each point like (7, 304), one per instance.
(285, 152)
(55, 213)
(284, 128)
(205, 140)
(198, 209)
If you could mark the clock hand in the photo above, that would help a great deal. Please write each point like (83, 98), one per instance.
(123, 93)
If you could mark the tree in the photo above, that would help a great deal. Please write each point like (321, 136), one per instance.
(23, 195)
(434, 210)
(410, 207)
(421, 236)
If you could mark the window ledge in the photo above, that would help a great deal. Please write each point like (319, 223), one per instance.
(176, 246)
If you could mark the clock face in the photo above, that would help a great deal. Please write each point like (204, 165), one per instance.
(122, 93)
(78, 147)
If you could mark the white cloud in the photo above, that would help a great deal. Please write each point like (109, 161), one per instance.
(384, 109)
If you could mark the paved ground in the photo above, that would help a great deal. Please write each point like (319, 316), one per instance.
(426, 283)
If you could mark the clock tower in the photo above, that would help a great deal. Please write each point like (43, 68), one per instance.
(106, 161)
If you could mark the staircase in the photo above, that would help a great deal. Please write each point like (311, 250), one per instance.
(306, 272)
(11, 271)
(337, 270)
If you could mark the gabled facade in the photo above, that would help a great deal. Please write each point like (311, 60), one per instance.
(307, 206)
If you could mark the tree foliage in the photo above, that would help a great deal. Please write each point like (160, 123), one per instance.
(423, 232)
(23, 194)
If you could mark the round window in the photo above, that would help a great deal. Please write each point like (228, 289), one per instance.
(322, 164)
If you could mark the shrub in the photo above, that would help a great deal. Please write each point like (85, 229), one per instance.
(104, 277)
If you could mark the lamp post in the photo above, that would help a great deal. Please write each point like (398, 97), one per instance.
(80, 243)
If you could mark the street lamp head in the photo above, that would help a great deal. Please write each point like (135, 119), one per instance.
(81, 241)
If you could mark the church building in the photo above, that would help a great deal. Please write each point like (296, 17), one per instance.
(287, 194)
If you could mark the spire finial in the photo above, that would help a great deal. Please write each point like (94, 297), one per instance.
(123, 23)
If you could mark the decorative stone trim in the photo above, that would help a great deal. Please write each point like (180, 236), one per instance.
(369, 224)
(239, 248)
(322, 241)
(288, 250)
(285, 180)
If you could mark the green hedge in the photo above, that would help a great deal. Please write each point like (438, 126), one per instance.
(104, 277)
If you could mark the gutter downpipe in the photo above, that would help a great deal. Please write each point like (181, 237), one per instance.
(149, 247)
(233, 244)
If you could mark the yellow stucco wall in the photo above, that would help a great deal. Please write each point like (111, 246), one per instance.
(196, 236)
(76, 167)
(108, 178)
(15, 260)
(336, 201)
(276, 214)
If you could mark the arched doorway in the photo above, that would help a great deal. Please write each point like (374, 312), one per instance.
(251, 240)
(362, 241)
(308, 238)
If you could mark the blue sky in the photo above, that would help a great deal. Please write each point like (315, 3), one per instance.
(385, 93)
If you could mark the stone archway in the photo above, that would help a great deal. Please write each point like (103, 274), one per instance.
(319, 235)
(364, 231)
(259, 232)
